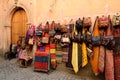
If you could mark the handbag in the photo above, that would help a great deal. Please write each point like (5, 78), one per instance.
(45, 40)
(52, 33)
(57, 36)
(30, 41)
(57, 27)
(103, 22)
(64, 29)
(38, 32)
(116, 20)
(87, 22)
(65, 39)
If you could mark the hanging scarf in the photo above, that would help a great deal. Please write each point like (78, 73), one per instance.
(75, 54)
(84, 52)
(109, 64)
(94, 59)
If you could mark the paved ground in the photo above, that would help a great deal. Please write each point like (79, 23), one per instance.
(9, 70)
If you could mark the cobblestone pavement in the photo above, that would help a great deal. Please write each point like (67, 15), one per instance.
(10, 70)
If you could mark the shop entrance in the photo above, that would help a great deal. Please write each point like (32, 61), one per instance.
(19, 25)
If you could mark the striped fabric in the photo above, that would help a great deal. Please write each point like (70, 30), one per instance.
(109, 61)
(41, 61)
(58, 53)
(53, 56)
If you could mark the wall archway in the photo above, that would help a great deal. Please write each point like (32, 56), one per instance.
(18, 24)
(11, 10)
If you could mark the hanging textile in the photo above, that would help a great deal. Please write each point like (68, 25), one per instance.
(94, 59)
(84, 51)
(116, 33)
(109, 64)
(75, 54)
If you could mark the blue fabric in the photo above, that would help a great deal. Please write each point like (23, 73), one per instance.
(41, 58)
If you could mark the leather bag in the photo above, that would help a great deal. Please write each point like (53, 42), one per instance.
(103, 22)
(87, 22)
(65, 39)
(45, 40)
(64, 29)
(30, 41)
(116, 20)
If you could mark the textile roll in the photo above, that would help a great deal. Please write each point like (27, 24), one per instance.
(94, 59)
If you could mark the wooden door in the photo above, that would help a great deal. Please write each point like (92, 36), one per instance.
(19, 25)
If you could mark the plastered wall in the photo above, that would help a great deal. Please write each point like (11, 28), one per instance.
(47, 10)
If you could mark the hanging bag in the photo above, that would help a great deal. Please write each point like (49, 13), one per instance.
(64, 29)
(51, 29)
(65, 39)
(116, 20)
(103, 22)
(87, 22)
(45, 39)
(30, 41)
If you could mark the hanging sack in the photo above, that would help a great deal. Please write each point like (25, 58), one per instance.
(103, 22)
(87, 22)
(116, 20)
(64, 29)
(30, 41)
